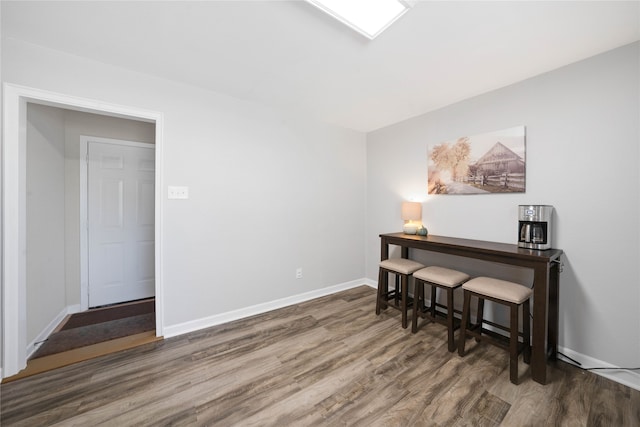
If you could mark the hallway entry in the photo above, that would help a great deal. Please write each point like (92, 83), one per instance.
(38, 289)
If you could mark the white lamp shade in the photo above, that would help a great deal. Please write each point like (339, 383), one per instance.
(411, 211)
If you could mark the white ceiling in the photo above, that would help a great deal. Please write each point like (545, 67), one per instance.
(290, 55)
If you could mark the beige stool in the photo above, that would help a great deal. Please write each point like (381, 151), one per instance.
(402, 269)
(437, 277)
(510, 294)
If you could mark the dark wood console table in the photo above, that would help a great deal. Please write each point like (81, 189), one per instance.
(546, 272)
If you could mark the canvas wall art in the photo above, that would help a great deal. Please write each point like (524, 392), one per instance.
(488, 163)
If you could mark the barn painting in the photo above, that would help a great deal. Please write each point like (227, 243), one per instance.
(488, 163)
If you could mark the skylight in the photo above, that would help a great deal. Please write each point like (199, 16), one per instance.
(368, 17)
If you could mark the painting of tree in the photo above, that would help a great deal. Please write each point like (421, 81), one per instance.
(487, 163)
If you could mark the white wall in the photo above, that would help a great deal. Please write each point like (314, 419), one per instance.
(1, 219)
(46, 295)
(269, 191)
(582, 124)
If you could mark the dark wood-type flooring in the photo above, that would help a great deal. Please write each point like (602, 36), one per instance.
(329, 362)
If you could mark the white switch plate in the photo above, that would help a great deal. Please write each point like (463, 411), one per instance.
(178, 192)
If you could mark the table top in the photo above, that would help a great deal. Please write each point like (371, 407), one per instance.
(468, 247)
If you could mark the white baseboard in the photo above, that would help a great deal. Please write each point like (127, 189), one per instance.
(622, 376)
(72, 309)
(35, 344)
(218, 319)
(371, 283)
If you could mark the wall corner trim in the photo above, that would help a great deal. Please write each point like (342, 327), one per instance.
(48, 330)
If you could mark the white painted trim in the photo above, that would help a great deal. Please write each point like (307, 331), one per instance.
(14, 210)
(48, 330)
(622, 376)
(218, 319)
(84, 242)
(13, 232)
(371, 283)
(112, 141)
(84, 219)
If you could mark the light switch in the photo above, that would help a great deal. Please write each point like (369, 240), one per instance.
(178, 192)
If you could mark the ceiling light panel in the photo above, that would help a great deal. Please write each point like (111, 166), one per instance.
(368, 17)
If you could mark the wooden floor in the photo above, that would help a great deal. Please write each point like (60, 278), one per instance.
(330, 361)
(58, 360)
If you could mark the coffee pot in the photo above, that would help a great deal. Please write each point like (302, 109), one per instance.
(534, 226)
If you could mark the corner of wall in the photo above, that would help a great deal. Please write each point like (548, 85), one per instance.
(48, 330)
(607, 370)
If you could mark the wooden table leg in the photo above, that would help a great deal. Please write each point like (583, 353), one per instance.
(404, 252)
(383, 279)
(384, 250)
(554, 311)
(540, 323)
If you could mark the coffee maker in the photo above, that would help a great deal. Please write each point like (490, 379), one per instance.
(534, 226)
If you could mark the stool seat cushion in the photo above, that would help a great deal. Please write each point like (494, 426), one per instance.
(401, 265)
(441, 276)
(499, 289)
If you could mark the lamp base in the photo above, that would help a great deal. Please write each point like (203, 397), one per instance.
(410, 228)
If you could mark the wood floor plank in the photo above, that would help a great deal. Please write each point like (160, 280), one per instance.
(529, 399)
(46, 363)
(330, 361)
(297, 407)
(606, 404)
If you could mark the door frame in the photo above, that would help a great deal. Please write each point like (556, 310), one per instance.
(84, 207)
(16, 97)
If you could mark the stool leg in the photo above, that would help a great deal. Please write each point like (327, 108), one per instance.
(479, 317)
(418, 297)
(397, 293)
(405, 291)
(526, 329)
(382, 290)
(465, 322)
(433, 301)
(452, 345)
(513, 344)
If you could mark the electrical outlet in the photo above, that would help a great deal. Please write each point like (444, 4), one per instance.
(299, 273)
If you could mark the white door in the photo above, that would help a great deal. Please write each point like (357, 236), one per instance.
(120, 213)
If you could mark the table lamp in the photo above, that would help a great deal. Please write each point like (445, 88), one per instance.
(411, 211)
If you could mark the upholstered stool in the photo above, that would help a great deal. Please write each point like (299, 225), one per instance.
(437, 277)
(510, 294)
(402, 269)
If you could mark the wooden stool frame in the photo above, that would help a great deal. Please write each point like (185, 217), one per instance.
(400, 293)
(477, 331)
(431, 313)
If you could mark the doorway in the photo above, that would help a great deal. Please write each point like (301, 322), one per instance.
(14, 324)
(117, 199)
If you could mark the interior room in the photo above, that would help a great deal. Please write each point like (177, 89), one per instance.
(285, 143)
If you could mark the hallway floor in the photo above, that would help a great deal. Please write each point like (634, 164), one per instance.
(93, 333)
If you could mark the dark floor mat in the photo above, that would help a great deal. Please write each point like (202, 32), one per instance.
(81, 336)
(100, 315)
